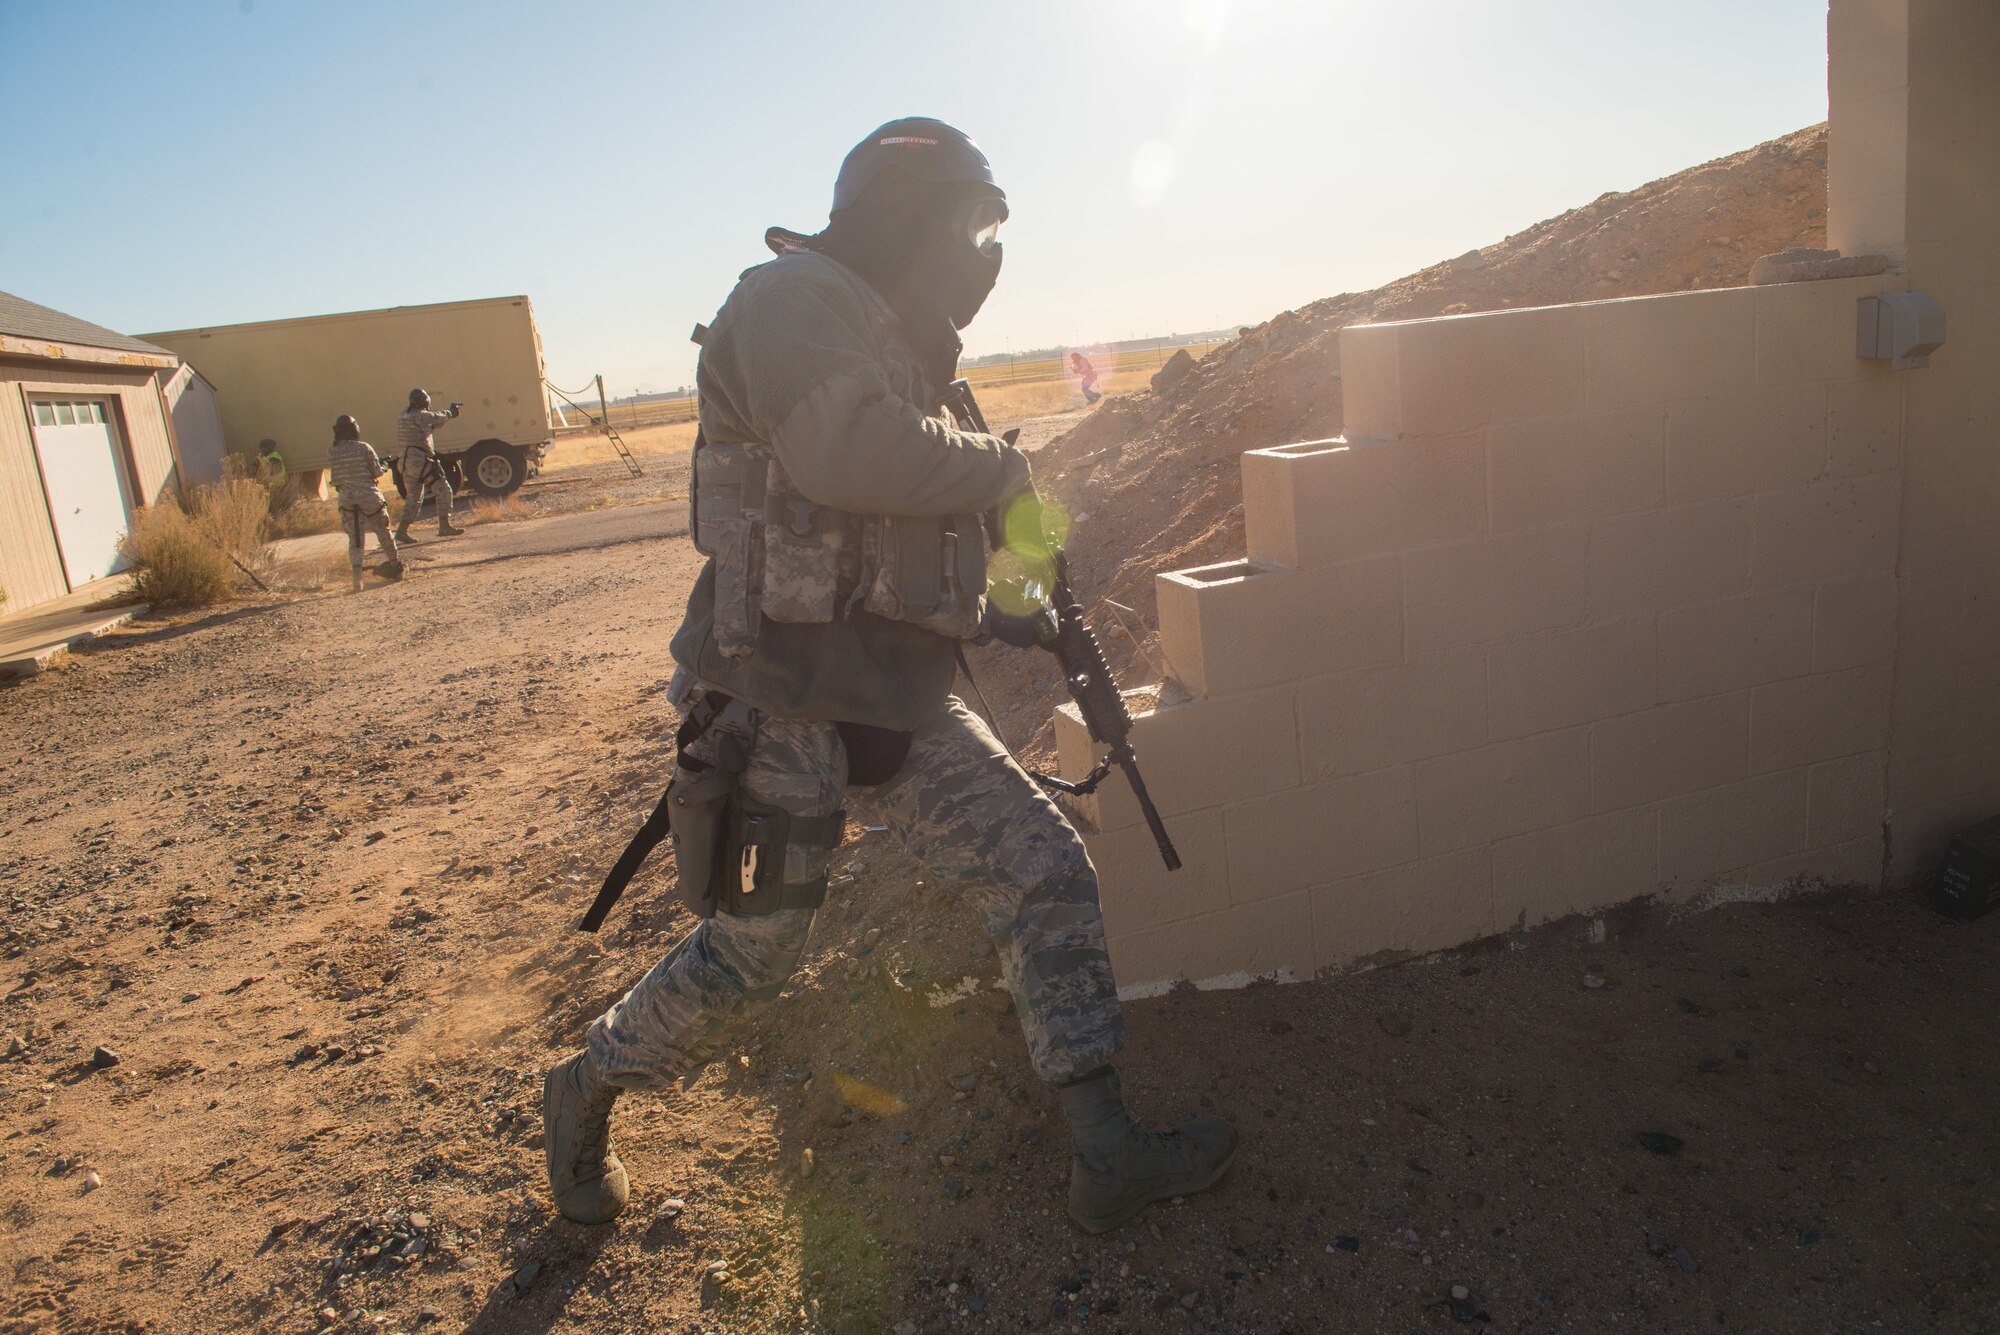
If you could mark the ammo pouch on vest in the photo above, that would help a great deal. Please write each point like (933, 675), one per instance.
(780, 555)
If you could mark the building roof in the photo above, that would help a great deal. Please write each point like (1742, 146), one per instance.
(27, 319)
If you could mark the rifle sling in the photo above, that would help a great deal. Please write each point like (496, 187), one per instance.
(643, 843)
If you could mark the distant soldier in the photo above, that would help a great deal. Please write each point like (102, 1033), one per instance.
(356, 469)
(421, 464)
(1080, 367)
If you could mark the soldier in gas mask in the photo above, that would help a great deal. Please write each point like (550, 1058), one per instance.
(842, 518)
(421, 466)
(356, 471)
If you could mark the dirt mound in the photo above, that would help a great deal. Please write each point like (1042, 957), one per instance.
(1153, 478)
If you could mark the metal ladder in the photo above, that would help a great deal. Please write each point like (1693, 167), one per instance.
(602, 421)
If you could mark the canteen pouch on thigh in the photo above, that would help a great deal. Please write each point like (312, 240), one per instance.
(773, 859)
(698, 814)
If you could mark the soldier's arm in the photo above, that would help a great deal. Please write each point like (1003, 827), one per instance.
(813, 390)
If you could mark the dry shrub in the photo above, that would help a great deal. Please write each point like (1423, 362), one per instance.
(312, 515)
(173, 562)
(180, 555)
(498, 509)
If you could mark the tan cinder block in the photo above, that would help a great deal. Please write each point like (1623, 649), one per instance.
(1418, 907)
(1507, 788)
(1676, 748)
(1818, 718)
(1538, 683)
(1137, 891)
(1388, 716)
(1735, 826)
(1473, 592)
(1852, 23)
(1576, 467)
(1805, 331)
(1845, 527)
(1571, 868)
(1743, 443)
(1854, 623)
(1864, 426)
(1272, 939)
(1931, 614)
(1146, 963)
(1342, 502)
(1322, 832)
(1269, 939)
(1465, 371)
(1370, 376)
(1670, 558)
(1201, 753)
(1856, 862)
(1919, 834)
(1846, 799)
(1723, 646)
(1272, 508)
(1656, 349)
(1243, 625)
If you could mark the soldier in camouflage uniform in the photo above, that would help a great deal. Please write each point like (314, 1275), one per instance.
(842, 518)
(356, 472)
(421, 465)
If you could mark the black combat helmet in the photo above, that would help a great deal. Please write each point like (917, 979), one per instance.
(418, 398)
(927, 149)
(346, 428)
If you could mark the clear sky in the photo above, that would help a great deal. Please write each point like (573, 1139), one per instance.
(1171, 166)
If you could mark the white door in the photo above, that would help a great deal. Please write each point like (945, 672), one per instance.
(85, 483)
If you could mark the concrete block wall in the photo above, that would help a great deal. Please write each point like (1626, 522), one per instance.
(1666, 595)
(1592, 602)
(1945, 715)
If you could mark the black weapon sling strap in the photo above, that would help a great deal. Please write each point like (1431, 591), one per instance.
(1083, 787)
(707, 708)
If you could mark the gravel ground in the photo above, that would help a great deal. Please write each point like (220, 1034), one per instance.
(305, 870)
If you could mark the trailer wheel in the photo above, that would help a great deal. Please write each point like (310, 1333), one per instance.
(494, 468)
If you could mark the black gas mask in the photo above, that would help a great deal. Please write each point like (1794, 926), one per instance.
(970, 264)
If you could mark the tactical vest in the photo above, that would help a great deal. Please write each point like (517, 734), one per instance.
(780, 555)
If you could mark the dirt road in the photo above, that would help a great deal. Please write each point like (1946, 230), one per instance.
(305, 870)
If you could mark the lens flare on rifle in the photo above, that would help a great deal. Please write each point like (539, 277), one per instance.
(1014, 586)
(1036, 527)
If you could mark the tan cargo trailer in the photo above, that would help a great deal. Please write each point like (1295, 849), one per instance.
(285, 381)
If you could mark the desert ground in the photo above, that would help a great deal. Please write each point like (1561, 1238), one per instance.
(290, 892)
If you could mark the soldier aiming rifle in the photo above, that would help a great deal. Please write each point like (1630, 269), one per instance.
(843, 517)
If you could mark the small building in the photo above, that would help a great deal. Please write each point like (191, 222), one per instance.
(87, 436)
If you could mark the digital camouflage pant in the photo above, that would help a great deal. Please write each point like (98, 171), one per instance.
(359, 522)
(419, 473)
(982, 828)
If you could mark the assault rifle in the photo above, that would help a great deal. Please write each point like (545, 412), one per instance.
(1058, 625)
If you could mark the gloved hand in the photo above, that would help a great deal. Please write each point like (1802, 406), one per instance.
(453, 410)
(1030, 630)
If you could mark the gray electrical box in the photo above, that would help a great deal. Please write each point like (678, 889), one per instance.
(1901, 328)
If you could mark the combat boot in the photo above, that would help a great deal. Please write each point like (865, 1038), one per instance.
(585, 1177)
(356, 586)
(404, 535)
(1118, 1169)
(390, 570)
(449, 530)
